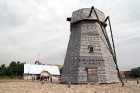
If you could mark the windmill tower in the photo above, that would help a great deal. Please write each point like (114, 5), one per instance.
(90, 56)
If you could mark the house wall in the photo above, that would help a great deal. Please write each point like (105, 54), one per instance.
(29, 77)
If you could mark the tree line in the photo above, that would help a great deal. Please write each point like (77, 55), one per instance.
(17, 69)
(14, 69)
(135, 72)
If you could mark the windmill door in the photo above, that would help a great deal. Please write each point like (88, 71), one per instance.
(92, 75)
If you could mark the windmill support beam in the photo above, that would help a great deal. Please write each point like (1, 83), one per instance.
(114, 56)
(114, 52)
(105, 34)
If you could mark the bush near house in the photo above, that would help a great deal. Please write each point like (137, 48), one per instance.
(135, 72)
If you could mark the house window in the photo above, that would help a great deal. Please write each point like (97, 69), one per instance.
(83, 59)
(90, 49)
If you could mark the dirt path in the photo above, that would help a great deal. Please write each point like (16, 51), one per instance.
(38, 87)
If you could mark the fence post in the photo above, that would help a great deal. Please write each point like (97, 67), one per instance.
(125, 80)
(69, 84)
(137, 81)
(122, 84)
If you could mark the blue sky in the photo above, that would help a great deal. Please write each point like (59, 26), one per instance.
(29, 27)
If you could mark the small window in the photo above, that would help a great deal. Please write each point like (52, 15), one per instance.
(85, 63)
(91, 49)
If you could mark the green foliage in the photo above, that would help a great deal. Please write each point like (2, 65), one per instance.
(14, 69)
(11, 70)
(3, 70)
(20, 69)
(61, 70)
(135, 72)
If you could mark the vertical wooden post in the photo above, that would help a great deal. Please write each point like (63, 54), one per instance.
(114, 54)
(69, 84)
(137, 81)
(122, 84)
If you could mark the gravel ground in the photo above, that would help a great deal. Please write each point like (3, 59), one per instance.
(38, 87)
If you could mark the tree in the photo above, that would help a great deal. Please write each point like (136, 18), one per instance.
(135, 72)
(12, 69)
(15, 69)
(61, 70)
(3, 70)
(20, 69)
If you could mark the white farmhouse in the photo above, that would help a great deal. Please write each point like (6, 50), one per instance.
(31, 70)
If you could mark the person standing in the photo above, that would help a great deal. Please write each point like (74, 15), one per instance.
(50, 78)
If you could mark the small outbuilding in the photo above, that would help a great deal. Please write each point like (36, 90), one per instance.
(32, 70)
